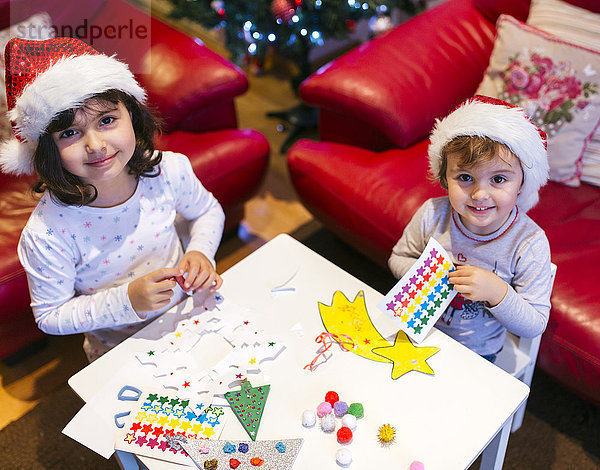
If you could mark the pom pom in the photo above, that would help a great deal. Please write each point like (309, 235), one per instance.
(324, 409)
(386, 434)
(344, 435)
(328, 423)
(349, 421)
(357, 410)
(256, 461)
(331, 397)
(234, 463)
(340, 408)
(309, 418)
(343, 457)
(416, 465)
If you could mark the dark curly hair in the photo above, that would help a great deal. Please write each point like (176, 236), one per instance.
(69, 188)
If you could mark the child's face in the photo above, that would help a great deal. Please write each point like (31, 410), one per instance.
(98, 145)
(485, 194)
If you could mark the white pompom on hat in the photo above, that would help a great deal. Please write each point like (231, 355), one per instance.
(45, 78)
(502, 122)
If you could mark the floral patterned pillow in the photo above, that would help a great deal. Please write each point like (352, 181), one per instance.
(556, 82)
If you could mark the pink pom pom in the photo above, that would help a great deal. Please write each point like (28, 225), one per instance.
(416, 465)
(324, 409)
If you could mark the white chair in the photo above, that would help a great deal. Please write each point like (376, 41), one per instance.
(518, 358)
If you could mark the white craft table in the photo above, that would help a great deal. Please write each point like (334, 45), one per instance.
(444, 420)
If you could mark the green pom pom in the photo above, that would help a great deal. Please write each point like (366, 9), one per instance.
(357, 410)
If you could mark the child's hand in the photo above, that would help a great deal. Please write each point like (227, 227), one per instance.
(200, 272)
(478, 284)
(154, 290)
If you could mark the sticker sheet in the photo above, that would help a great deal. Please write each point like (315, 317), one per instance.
(421, 296)
(162, 415)
(225, 455)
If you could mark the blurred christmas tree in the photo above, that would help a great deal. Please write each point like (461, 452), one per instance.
(292, 27)
(254, 28)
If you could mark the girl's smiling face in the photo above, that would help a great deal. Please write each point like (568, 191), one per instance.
(97, 147)
(484, 194)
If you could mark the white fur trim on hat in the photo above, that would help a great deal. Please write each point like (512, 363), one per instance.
(16, 157)
(507, 125)
(65, 85)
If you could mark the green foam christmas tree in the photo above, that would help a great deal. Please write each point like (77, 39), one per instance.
(248, 404)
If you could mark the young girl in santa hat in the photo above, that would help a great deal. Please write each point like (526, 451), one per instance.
(100, 250)
(492, 161)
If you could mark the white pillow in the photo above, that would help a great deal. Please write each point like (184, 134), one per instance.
(581, 27)
(38, 26)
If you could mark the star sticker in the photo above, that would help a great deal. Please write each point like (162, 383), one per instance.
(403, 353)
(186, 384)
(367, 341)
(271, 343)
(217, 411)
(150, 353)
(130, 437)
(252, 361)
(208, 431)
(184, 403)
(177, 335)
(152, 397)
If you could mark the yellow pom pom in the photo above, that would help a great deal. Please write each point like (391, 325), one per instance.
(386, 434)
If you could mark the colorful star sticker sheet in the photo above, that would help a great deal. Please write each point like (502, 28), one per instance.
(161, 415)
(350, 321)
(421, 296)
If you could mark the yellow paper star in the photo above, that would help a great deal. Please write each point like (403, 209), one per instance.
(174, 423)
(406, 357)
(252, 360)
(208, 431)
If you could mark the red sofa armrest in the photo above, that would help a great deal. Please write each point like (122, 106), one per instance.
(395, 85)
(181, 75)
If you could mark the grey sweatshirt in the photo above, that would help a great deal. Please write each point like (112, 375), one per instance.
(518, 252)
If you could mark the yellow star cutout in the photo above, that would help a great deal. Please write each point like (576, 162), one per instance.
(252, 361)
(174, 423)
(163, 420)
(406, 357)
(208, 431)
(177, 335)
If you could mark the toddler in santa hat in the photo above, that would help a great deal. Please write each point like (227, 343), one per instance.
(100, 250)
(492, 161)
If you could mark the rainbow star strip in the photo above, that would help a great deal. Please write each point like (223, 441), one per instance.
(421, 296)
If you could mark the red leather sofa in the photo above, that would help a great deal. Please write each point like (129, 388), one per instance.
(193, 90)
(367, 176)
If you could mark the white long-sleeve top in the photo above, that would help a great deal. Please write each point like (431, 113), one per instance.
(79, 260)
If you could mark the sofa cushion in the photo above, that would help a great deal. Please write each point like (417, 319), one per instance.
(556, 82)
(571, 344)
(579, 26)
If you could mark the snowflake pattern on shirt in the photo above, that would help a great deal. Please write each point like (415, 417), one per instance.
(80, 260)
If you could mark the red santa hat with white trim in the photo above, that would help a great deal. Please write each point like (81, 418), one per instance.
(502, 122)
(45, 78)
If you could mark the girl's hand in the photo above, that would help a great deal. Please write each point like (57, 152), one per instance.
(478, 284)
(154, 290)
(200, 272)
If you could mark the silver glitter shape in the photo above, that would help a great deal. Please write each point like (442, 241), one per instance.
(201, 450)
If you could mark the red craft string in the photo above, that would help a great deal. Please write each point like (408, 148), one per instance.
(327, 340)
